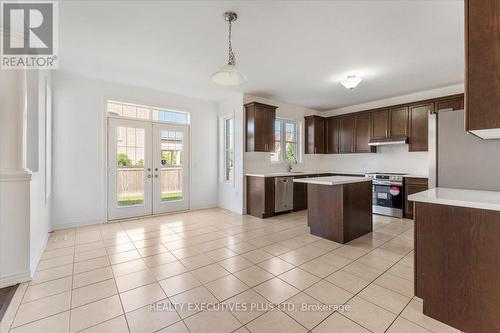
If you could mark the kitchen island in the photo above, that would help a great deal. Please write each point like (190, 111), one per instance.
(339, 207)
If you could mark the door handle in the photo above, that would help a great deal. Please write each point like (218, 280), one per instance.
(149, 176)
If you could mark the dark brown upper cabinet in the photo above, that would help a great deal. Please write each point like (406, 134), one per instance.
(419, 125)
(451, 103)
(398, 122)
(389, 123)
(380, 124)
(260, 127)
(346, 134)
(362, 133)
(482, 68)
(332, 135)
(314, 135)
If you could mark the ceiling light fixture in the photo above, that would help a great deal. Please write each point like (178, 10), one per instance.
(229, 75)
(351, 81)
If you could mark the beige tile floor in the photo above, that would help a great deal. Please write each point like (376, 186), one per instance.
(222, 271)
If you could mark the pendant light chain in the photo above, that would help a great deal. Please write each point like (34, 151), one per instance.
(232, 60)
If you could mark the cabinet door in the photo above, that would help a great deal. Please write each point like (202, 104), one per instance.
(299, 196)
(319, 135)
(398, 122)
(346, 134)
(451, 104)
(269, 130)
(411, 189)
(380, 124)
(419, 126)
(332, 135)
(309, 135)
(362, 133)
(314, 135)
(260, 120)
(482, 64)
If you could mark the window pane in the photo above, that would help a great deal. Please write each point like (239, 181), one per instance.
(130, 166)
(276, 156)
(291, 151)
(171, 143)
(229, 149)
(170, 116)
(290, 132)
(277, 130)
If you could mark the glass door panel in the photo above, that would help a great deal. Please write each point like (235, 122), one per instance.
(129, 174)
(170, 168)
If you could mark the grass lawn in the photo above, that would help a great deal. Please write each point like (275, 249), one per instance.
(139, 199)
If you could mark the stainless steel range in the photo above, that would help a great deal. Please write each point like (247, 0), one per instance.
(387, 193)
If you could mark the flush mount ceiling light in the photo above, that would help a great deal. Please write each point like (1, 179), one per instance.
(351, 82)
(229, 75)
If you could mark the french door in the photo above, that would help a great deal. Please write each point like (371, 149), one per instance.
(148, 169)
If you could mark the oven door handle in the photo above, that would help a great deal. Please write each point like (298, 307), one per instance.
(387, 183)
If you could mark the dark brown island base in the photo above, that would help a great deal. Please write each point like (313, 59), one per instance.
(339, 207)
(457, 257)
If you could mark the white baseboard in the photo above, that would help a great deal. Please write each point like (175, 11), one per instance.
(60, 226)
(15, 278)
(34, 261)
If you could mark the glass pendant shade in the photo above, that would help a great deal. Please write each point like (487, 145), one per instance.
(229, 75)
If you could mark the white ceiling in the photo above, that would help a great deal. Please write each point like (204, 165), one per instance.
(291, 51)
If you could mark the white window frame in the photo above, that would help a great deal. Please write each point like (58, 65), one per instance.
(150, 108)
(226, 149)
(283, 141)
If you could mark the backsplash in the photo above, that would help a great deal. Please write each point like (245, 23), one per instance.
(387, 159)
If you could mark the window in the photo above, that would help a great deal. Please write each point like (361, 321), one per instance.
(127, 110)
(228, 149)
(286, 141)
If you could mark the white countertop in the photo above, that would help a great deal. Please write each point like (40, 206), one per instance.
(299, 173)
(332, 180)
(306, 173)
(489, 200)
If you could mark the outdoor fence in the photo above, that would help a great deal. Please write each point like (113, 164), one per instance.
(130, 180)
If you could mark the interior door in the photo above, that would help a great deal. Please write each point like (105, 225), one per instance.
(129, 168)
(170, 168)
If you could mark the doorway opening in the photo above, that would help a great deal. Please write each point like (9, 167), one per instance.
(148, 161)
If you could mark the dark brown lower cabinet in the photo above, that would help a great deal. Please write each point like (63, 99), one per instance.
(260, 196)
(299, 196)
(413, 185)
(457, 265)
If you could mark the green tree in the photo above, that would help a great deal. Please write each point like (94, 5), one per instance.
(290, 152)
(123, 160)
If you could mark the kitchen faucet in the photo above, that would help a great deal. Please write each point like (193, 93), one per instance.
(289, 164)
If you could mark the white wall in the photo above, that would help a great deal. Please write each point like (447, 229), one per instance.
(261, 162)
(464, 160)
(231, 195)
(79, 182)
(387, 159)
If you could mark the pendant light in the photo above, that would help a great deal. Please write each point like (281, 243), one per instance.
(229, 75)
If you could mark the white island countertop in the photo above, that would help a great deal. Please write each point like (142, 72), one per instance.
(489, 200)
(332, 180)
(300, 173)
